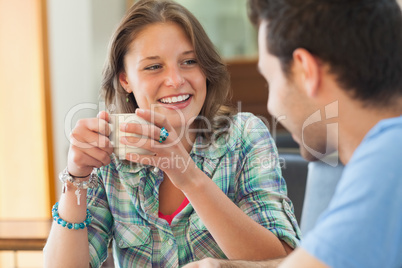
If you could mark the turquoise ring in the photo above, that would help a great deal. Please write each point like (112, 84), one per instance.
(164, 134)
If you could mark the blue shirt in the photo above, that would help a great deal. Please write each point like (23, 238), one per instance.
(362, 227)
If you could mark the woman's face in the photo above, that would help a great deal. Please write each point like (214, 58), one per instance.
(162, 71)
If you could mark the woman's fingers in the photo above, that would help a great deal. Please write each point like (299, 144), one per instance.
(90, 145)
(140, 142)
(155, 118)
(91, 133)
(152, 145)
(90, 140)
(154, 130)
(150, 131)
(80, 163)
(98, 154)
(96, 125)
(93, 157)
(103, 115)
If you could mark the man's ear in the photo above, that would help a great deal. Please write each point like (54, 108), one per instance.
(124, 82)
(308, 70)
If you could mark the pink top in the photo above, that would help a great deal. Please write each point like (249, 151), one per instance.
(169, 218)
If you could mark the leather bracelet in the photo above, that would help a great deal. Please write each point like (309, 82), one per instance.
(80, 177)
(65, 177)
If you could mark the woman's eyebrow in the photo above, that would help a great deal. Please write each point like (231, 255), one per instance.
(188, 52)
(157, 57)
(149, 58)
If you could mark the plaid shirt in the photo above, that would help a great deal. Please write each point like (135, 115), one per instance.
(244, 165)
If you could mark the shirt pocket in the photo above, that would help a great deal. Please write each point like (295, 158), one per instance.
(196, 223)
(128, 235)
(202, 243)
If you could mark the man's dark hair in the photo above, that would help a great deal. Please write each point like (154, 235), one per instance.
(361, 40)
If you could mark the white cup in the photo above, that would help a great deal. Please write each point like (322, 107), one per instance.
(119, 149)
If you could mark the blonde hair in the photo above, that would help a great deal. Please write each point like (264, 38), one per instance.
(144, 13)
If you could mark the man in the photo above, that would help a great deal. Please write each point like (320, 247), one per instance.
(342, 58)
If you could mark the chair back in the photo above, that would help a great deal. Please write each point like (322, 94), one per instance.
(322, 180)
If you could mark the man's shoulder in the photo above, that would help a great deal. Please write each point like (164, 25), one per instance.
(382, 145)
(386, 129)
(373, 172)
(363, 214)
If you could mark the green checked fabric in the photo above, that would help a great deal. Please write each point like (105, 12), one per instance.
(125, 206)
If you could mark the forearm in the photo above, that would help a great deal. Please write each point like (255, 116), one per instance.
(68, 247)
(255, 264)
(236, 233)
(215, 263)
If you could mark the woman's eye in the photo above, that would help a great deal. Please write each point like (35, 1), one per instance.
(190, 62)
(153, 67)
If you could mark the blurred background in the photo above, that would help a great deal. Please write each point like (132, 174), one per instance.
(51, 58)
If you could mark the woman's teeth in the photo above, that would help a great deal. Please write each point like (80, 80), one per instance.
(175, 99)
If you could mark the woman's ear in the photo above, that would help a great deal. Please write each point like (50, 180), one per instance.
(124, 82)
(308, 71)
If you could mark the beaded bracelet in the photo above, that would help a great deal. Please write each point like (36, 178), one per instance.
(65, 176)
(69, 225)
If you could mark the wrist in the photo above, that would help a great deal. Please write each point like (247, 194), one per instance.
(195, 183)
(78, 177)
(77, 171)
(70, 225)
(67, 179)
(79, 182)
(69, 209)
(74, 196)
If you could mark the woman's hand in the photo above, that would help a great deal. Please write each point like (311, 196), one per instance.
(90, 146)
(170, 155)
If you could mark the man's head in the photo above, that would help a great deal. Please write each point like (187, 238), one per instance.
(357, 42)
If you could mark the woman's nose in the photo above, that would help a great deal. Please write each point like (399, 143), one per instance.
(174, 78)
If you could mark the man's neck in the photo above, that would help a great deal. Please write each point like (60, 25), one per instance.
(356, 121)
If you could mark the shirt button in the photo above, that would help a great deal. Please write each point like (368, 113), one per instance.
(170, 242)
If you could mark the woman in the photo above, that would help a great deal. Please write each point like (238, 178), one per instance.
(213, 187)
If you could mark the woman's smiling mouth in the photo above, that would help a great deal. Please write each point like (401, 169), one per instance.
(175, 99)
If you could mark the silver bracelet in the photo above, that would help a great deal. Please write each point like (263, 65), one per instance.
(65, 177)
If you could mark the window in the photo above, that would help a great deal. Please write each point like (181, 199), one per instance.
(25, 136)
